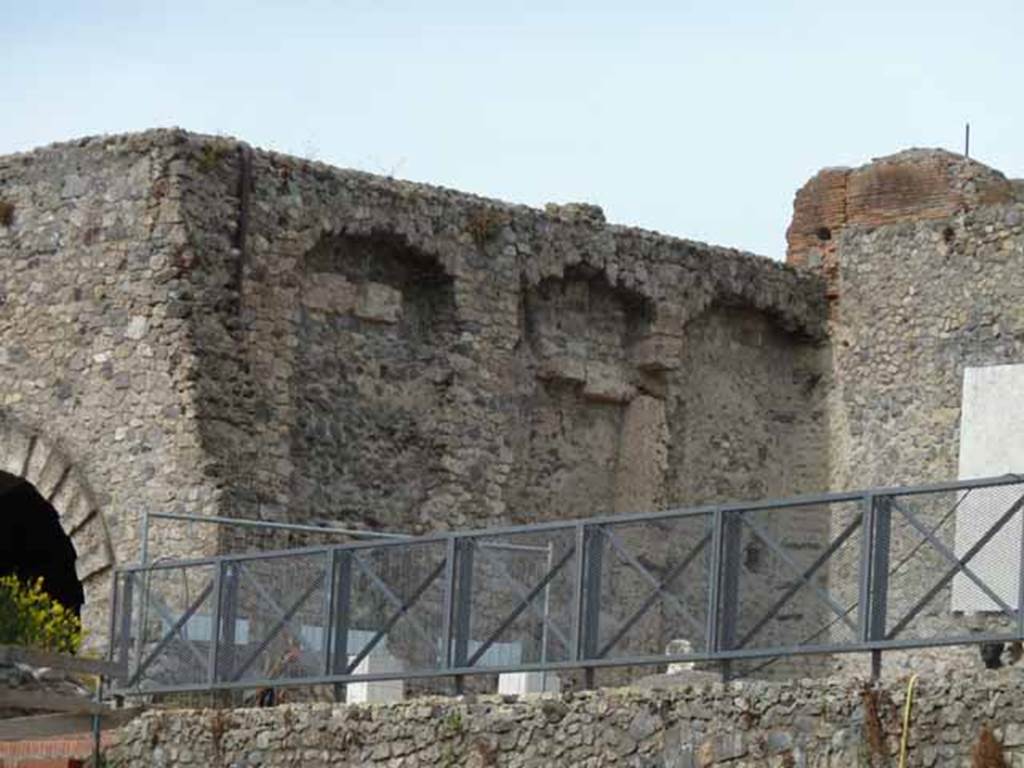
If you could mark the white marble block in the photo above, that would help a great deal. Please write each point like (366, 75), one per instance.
(521, 683)
(378, 691)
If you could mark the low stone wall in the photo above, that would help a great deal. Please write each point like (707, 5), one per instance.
(801, 723)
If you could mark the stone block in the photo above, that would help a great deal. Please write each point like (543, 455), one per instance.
(14, 447)
(329, 292)
(563, 368)
(643, 456)
(658, 352)
(378, 303)
(607, 383)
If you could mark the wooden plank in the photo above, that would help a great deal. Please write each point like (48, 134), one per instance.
(54, 702)
(64, 662)
(43, 726)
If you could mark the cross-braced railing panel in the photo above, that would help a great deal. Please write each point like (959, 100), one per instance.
(951, 552)
(514, 595)
(785, 565)
(655, 586)
(171, 645)
(273, 617)
(395, 601)
(861, 571)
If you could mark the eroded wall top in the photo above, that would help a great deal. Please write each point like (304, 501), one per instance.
(913, 185)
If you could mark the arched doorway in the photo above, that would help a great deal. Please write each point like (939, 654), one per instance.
(33, 544)
(54, 487)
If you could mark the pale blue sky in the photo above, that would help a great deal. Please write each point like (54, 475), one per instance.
(696, 119)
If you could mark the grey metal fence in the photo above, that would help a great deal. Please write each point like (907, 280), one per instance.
(866, 571)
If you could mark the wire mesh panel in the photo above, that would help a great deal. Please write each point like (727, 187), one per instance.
(273, 617)
(878, 570)
(654, 587)
(519, 599)
(173, 621)
(396, 608)
(791, 576)
(951, 552)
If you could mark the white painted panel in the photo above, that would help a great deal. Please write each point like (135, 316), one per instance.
(991, 443)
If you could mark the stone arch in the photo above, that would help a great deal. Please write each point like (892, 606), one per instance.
(28, 456)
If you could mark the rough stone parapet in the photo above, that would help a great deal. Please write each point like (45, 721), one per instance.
(835, 722)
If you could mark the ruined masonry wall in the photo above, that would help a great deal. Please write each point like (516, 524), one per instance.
(201, 327)
(412, 358)
(95, 364)
(742, 725)
(926, 270)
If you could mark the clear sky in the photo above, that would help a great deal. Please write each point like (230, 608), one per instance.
(695, 119)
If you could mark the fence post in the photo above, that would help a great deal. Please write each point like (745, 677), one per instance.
(218, 584)
(589, 551)
(874, 586)
(462, 606)
(723, 598)
(1020, 591)
(229, 613)
(341, 604)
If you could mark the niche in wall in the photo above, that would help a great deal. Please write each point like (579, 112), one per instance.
(371, 379)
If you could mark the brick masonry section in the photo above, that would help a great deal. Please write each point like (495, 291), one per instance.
(62, 751)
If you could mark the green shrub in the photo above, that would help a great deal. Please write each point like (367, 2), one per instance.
(29, 616)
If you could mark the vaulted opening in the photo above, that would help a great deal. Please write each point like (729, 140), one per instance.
(34, 545)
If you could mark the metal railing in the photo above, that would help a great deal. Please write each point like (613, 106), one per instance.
(866, 571)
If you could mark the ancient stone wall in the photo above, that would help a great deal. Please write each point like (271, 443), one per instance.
(412, 358)
(925, 264)
(809, 723)
(96, 405)
(202, 327)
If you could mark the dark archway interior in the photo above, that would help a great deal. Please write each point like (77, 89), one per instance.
(33, 544)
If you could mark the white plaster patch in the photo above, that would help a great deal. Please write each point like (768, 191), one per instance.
(991, 443)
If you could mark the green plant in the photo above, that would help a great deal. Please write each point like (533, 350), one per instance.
(454, 723)
(29, 616)
(210, 156)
